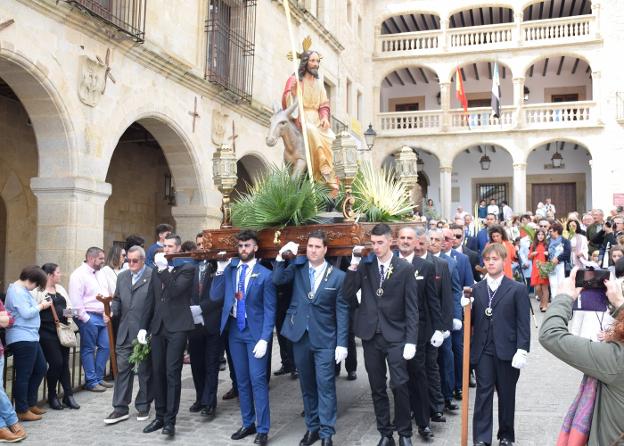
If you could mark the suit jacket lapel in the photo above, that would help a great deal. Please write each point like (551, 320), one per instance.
(503, 288)
(373, 274)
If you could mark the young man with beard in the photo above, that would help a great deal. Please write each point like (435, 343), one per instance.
(499, 346)
(248, 314)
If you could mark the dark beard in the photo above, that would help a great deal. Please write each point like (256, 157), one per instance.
(313, 72)
(248, 257)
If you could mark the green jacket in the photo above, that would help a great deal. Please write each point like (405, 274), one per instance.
(602, 360)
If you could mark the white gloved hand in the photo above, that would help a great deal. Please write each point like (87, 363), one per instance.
(160, 261)
(457, 325)
(290, 246)
(222, 264)
(341, 354)
(409, 351)
(519, 360)
(465, 301)
(142, 337)
(446, 334)
(437, 339)
(260, 349)
(196, 310)
(355, 260)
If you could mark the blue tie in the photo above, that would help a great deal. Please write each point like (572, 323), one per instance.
(240, 303)
(312, 280)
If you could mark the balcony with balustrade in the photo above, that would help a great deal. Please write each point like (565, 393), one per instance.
(545, 23)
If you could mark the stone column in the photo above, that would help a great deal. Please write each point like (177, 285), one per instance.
(518, 99)
(70, 218)
(445, 191)
(444, 26)
(376, 108)
(595, 6)
(378, 37)
(518, 38)
(597, 97)
(519, 188)
(192, 219)
(445, 104)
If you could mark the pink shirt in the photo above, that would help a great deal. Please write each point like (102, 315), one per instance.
(84, 284)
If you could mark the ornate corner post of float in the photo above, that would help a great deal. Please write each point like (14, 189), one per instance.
(224, 178)
(346, 166)
(407, 170)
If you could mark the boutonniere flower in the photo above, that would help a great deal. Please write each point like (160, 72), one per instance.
(254, 275)
(329, 271)
(416, 273)
(389, 272)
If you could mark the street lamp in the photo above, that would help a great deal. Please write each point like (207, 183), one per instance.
(369, 136)
(485, 162)
(556, 160)
(344, 149)
(224, 177)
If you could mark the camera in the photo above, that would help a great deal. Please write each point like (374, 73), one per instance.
(592, 279)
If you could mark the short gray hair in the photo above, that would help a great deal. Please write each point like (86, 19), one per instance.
(137, 248)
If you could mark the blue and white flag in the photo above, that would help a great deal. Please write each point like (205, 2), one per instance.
(496, 93)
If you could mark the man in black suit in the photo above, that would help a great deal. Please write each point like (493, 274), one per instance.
(387, 322)
(430, 328)
(499, 346)
(169, 319)
(460, 245)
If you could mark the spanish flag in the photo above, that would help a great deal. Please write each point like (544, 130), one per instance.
(459, 90)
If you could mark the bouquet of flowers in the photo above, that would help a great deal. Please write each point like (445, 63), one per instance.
(545, 269)
(140, 352)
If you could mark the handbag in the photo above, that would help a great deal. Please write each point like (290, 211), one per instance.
(65, 332)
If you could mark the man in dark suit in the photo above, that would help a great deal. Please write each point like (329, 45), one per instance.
(499, 346)
(205, 344)
(483, 237)
(133, 293)
(317, 323)
(460, 244)
(387, 322)
(284, 297)
(248, 295)
(430, 326)
(169, 320)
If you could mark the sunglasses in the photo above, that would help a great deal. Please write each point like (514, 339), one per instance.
(133, 261)
(458, 236)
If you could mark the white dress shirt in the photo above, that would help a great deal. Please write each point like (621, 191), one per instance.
(319, 272)
(250, 267)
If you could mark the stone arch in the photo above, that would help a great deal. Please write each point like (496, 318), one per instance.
(401, 65)
(517, 156)
(523, 69)
(389, 14)
(51, 120)
(479, 59)
(249, 167)
(493, 4)
(528, 3)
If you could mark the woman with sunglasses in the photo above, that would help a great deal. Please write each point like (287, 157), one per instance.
(537, 253)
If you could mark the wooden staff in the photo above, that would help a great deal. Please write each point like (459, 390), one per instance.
(111, 338)
(466, 368)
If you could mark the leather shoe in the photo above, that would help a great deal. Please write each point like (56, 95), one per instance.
(458, 395)
(327, 441)
(169, 430)
(351, 376)
(450, 405)
(294, 374)
(230, 394)
(195, 407)
(386, 441)
(425, 432)
(472, 381)
(505, 442)
(405, 441)
(282, 371)
(208, 412)
(153, 426)
(70, 402)
(54, 403)
(438, 417)
(309, 438)
(261, 439)
(244, 432)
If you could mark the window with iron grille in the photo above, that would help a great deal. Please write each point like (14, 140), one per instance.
(231, 29)
(498, 191)
(125, 15)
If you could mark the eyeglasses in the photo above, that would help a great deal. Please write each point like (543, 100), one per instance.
(448, 239)
(133, 261)
(458, 236)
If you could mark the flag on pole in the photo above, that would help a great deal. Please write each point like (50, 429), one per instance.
(496, 92)
(459, 90)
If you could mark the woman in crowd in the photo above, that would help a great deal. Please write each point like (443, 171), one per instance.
(538, 253)
(616, 253)
(23, 340)
(482, 210)
(578, 243)
(429, 210)
(55, 354)
(540, 212)
(602, 363)
(114, 261)
(558, 255)
(498, 235)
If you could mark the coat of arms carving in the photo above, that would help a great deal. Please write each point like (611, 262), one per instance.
(92, 81)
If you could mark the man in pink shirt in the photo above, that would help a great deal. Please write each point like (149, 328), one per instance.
(85, 283)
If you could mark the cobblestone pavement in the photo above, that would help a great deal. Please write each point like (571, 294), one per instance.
(545, 390)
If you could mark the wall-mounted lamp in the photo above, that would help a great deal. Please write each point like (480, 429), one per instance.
(169, 190)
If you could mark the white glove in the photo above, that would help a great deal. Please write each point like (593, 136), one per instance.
(260, 349)
(437, 339)
(196, 310)
(446, 334)
(142, 337)
(355, 260)
(222, 264)
(290, 246)
(409, 351)
(519, 360)
(341, 354)
(466, 301)
(457, 325)
(160, 261)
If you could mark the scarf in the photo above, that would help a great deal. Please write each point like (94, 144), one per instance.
(578, 420)
(555, 248)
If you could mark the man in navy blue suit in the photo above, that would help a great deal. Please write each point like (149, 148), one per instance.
(249, 300)
(482, 236)
(499, 346)
(317, 323)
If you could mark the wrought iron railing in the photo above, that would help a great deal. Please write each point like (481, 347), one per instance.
(127, 16)
(338, 126)
(231, 29)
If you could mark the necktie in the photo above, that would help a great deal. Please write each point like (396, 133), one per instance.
(311, 280)
(240, 301)
(381, 275)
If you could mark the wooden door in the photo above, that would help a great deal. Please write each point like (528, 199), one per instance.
(563, 196)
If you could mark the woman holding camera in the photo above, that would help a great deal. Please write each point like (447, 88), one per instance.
(55, 354)
(602, 361)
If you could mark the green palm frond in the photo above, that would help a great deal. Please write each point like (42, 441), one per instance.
(279, 200)
(379, 195)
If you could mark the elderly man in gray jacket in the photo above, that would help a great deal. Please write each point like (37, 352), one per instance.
(134, 290)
